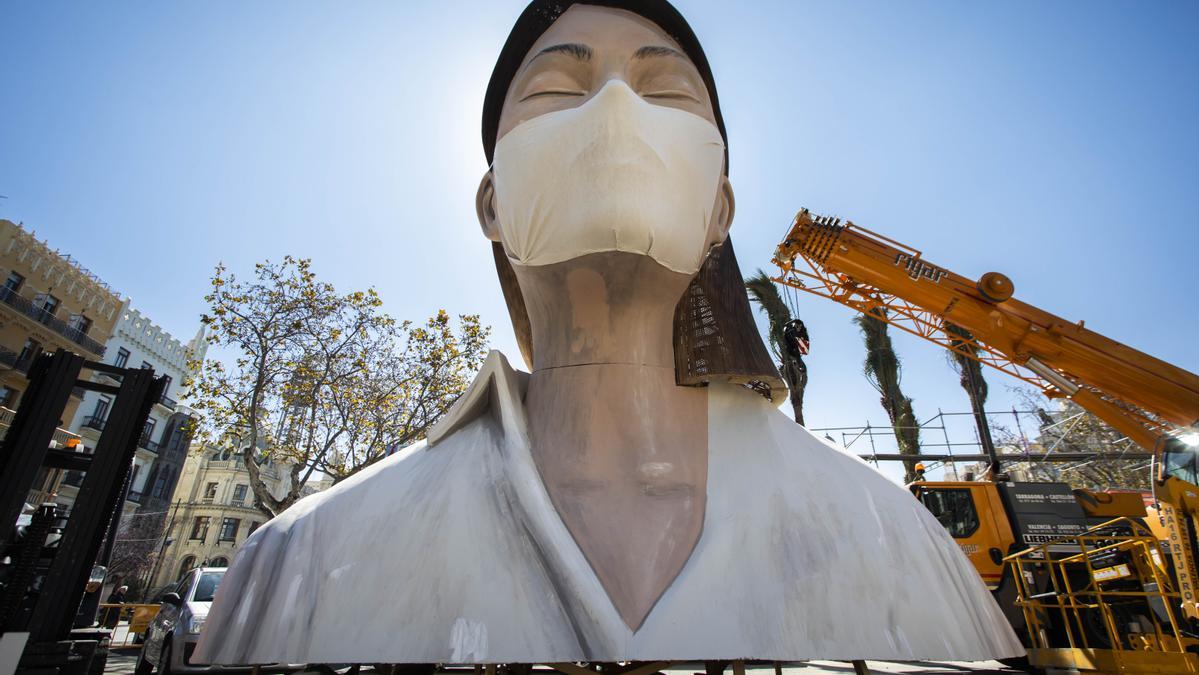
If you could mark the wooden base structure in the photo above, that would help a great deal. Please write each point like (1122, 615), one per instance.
(632, 668)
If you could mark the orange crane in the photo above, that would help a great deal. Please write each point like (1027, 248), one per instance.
(1154, 403)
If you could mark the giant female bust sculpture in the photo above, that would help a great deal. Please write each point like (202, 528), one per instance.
(637, 496)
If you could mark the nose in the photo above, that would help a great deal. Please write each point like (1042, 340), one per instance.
(618, 102)
(616, 90)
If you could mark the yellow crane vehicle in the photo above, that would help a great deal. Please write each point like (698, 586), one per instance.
(1081, 574)
(990, 519)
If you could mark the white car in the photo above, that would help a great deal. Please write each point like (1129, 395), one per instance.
(172, 636)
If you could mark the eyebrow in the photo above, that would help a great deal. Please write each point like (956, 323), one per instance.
(654, 50)
(580, 52)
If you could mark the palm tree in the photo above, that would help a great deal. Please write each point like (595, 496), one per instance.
(969, 371)
(882, 369)
(970, 376)
(795, 373)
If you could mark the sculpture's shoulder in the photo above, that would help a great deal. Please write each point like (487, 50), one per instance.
(804, 473)
(461, 450)
(434, 527)
(825, 527)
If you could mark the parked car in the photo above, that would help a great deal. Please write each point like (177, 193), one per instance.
(172, 636)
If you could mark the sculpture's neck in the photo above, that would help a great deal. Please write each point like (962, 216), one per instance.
(622, 450)
(602, 308)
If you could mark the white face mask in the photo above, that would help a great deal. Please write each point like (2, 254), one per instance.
(614, 174)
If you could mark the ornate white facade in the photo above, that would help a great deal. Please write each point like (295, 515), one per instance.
(139, 342)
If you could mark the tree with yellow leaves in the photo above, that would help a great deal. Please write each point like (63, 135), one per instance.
(319, 382)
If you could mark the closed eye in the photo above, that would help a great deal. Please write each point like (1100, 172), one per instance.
(554, 92)
(672, 95)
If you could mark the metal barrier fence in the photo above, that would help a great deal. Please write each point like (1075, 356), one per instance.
(130, 621)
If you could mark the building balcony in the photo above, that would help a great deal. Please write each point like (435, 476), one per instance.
(135, 497)
(148, 444)
(61, 436)
(31, 311)
(168, 402)
(93, 422)
(14, 361)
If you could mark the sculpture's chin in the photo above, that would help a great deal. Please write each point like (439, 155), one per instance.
(639, 255)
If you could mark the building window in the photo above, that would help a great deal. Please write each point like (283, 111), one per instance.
(166, 386)
(210, 492)
(122, 358)
(80, 323)
(220, 561)
(101, 410)
(8, 396)
(148, 430)
(49, 303)
(151, 479)
(239, 495)
(146, 365)
(162, 485)
(14, 282)
(229, 527)
(176, 436)
(253, 526)
(186, 566)
(29, 352)
(200, 528)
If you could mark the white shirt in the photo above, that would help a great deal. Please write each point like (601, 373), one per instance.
(451, 552)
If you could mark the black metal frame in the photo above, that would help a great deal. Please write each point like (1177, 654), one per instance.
(49, 615)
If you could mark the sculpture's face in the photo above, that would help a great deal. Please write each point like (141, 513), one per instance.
(607, 142)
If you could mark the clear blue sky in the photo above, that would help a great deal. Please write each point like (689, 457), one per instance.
(1052, 141)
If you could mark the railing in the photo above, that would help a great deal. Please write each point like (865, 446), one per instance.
(1104, 596)
(148, 444)
(136, 497)
(18, 362)
(94, 422)
(40, 315)
(948, 438)
(13, 360)
(61, 436)
(168, 401)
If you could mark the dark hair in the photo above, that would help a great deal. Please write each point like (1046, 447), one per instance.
(715, 337)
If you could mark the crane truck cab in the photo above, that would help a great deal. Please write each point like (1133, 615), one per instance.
(989, 520)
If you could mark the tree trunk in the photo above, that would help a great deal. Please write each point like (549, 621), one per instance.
(882, 368)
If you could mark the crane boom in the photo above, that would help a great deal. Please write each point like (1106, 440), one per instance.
(1143, 397)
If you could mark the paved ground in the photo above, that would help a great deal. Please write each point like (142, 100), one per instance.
(121, 662)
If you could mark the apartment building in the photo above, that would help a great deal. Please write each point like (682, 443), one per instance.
(213, 510)
(47, 301)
